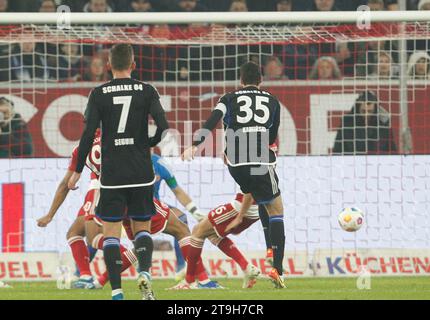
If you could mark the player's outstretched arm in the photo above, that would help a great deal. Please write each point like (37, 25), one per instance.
(188, 203)
(189, 153)
(60, 196)
(210, 124)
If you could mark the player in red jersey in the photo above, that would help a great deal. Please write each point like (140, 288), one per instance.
(86, 223)
(165, 221)
(214, 227)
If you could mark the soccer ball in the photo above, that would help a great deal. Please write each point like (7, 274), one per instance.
(351, 219)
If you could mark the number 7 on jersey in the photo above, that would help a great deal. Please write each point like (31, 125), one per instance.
(125, 101)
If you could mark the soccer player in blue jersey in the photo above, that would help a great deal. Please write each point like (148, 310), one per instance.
(164, 173)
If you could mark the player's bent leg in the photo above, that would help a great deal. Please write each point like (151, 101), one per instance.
(277, 235)
(181, 233)
(92, 229)
(75, 238)
(200, 232)
(227, 246)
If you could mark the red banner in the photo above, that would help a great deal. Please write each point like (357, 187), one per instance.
(310, 117)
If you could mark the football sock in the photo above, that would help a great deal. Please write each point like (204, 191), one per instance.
(98, 243)
(113, 261)
(229, 248)
(200, 270)
(80, 255)
(277, 236)
(143, 246)
(193, 258)
(180, 261)
(264, 218)
(128, 258)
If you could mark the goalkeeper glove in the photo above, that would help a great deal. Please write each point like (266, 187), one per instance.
(192, 208)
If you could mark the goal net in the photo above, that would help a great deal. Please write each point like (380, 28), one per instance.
(355, 102)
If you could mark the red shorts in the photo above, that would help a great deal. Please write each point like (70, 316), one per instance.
(158, 222)
(221, 217)
(86, 207)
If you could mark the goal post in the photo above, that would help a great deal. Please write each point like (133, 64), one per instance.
(321, 65)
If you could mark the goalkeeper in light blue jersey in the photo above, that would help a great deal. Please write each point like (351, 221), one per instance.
(164, 173)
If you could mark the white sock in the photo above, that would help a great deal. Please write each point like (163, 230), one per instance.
(117, 291)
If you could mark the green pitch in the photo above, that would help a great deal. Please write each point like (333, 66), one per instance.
(309, 288)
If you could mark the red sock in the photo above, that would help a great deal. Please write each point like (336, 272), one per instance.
(200, 270)
(193, 258)
(128, 258)
(80, 255)
(229, 248)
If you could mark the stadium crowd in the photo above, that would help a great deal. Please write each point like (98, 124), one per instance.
(315, 61)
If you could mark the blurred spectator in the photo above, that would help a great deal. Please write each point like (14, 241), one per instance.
(97, 6)
(97, 70)
(384, 68)
(191, 6)
(141, 6)
(70, 63)
(376, 5)
(238, 6)
(366, 129)
(4, 5)
(273, 69)
(419, 65)
(392, 5)
(424, 5)
(324, 5)
(325, 68)
(367, 60)
(48, 6)
(284, 5)
(15, 140)
(27, 63)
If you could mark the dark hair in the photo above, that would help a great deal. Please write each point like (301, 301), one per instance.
(121, 56)
(250, 73)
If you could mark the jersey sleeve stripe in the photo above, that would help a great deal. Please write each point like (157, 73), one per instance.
(221, 107)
